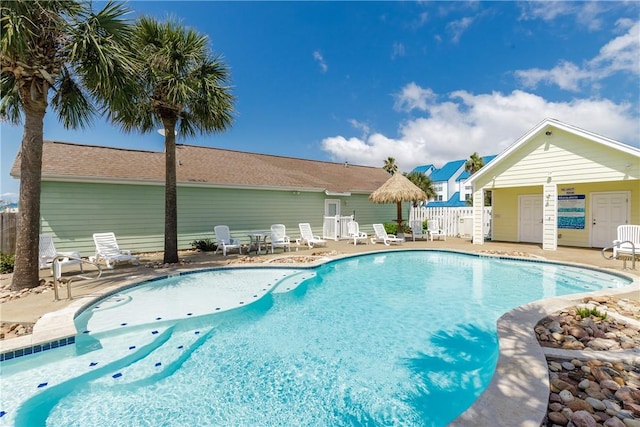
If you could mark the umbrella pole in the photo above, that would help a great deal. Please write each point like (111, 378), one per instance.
(399, 220)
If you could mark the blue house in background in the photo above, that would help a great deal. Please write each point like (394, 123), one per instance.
(448, 183)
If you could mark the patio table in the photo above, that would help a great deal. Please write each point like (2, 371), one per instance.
(257, 240)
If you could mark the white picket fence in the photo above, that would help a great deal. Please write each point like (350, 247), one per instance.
(335, 227)
(454, 221)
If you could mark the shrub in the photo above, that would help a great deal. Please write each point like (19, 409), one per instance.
(7, 262)
(587, 312)
(392, 228)
(205, 245)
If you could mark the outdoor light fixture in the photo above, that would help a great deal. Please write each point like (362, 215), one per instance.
(548, 133)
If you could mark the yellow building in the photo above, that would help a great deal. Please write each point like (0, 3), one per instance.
(559, 185)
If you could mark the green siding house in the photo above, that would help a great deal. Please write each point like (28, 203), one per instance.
(90, 189)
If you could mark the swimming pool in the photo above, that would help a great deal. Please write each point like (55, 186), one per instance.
(399, 338)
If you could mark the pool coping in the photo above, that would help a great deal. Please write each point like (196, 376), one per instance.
(518, 391)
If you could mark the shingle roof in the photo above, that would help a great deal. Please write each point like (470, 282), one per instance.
(465, 174)
(447, 171)
(453, 202)
(204, 165)
(424, 169)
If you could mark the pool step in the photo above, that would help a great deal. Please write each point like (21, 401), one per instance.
(292, 281)
(66, 374)
(163, 361)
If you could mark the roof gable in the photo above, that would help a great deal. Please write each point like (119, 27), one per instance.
(202, 166)
(447, 171)
(546, 127)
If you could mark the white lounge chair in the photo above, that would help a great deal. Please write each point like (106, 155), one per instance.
(353, 231)
(434, 230)
(279, 238)
(382, 236)
(225, 241)
(307, 237)
(107, 250)
(48, 252)
(417, 232)
(627, 241)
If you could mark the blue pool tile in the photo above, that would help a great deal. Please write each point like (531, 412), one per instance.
(180, 346)
(189, 314)
(93, 363)
(132, 347)
(42, 385)
(28, 350)
(37, 348)
(85, 331)
(158, 364)
(154, 332)
(118, 375)
(241, 302)
(46, 346)
(217, 308)
(55, 344)
(2, 413)
(123, 324)
(197, 332)
(158, 318)
(19, 352)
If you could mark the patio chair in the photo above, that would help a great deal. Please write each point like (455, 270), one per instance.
(353, 231)
(627, 241)
(224, 240)
(417, 232)
(48, 252)
(434, 230)
(279, 238)
(307, 237)
(382, 236)
(107, 250)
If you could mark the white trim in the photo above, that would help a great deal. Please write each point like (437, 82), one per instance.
(333, 193)
(545, 126)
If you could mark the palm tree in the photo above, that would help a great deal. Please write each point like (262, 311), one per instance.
(390, 166)
(423, 182)
(474, 164)
(59, 54)
(183, 90)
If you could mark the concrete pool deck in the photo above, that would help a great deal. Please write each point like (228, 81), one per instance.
(521, 374)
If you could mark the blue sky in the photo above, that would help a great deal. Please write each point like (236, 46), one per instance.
(423, 82)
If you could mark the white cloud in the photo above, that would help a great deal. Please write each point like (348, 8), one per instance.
(622, 54)
(361, 127)
(320, 60)
(397, 50)
(413, 96)
(459, 27)
(487, 123)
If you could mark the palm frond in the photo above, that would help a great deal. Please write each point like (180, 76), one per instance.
(70, 103)
(10, 103)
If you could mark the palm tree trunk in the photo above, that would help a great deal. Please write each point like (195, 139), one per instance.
(26, 270)
(170, 198)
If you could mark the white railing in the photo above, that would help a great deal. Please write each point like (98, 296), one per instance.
(454, 221)
(335, 227)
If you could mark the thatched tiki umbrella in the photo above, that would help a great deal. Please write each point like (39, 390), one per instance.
(398, 189)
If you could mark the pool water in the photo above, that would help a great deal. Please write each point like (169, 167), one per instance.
(401, 338)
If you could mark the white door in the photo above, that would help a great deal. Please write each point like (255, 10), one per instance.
(331, 225)
(331, 207)
(608, 211)
(530, 218)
